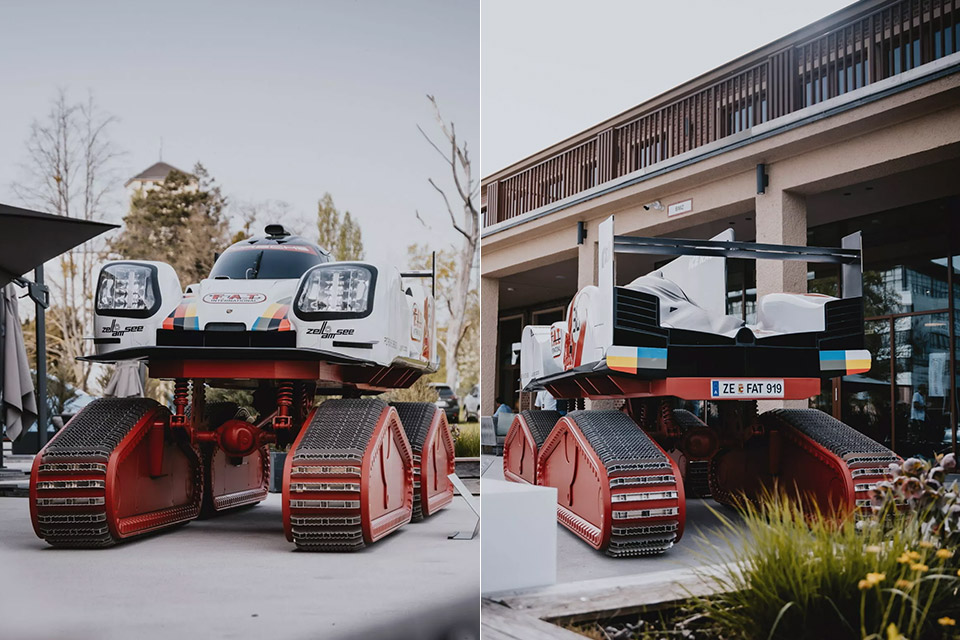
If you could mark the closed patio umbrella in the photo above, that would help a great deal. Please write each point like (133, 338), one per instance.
(126, 381)
(19, 400)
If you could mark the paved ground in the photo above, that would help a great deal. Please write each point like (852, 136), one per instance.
(578, 561)
(234, 577)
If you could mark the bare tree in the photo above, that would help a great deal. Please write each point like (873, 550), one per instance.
(69, 171)
(465, 219)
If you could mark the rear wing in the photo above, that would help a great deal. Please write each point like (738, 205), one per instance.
(849, 256)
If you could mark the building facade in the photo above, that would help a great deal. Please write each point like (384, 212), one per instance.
(849, 124)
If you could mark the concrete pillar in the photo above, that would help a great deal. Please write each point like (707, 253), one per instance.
(489, 312)
(781, 218)
(587, 260)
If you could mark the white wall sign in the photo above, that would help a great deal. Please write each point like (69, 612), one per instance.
(680, 207)
(938, 374)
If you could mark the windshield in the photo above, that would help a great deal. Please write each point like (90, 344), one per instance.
(444, 392)
(265, 264)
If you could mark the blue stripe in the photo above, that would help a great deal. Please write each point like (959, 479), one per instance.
(653, 353)
(833, 355)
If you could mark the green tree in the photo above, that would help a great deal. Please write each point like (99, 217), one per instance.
(338, 234)
(181, 222)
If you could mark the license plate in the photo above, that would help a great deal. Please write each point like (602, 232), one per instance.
(746, 388)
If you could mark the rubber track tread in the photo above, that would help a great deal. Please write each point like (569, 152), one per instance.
(635, 467)
(343, 425)
(92, 434)
(541, 423)
(687, 419)
(337, 435)
(841, 439)
(865, 458)
(98, 429)
(616, 438)
(416, 418)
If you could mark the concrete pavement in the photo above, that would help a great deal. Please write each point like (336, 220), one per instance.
(578, 561)
(234, 576)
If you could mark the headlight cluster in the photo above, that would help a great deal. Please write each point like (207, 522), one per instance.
(127, 287)
(336, 289)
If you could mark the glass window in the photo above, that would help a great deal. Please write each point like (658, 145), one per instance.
(866, 397)
(267, 264)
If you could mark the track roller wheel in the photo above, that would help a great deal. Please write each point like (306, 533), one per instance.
(229, 482)
(807, 453)
(524, 439)
(91, 486)
(616, 488)
(348, 480)
(433, 456)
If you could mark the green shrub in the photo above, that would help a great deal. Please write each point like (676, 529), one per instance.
(797, 573)
(467, 442)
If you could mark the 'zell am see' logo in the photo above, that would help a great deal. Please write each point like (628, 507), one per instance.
(234, 298)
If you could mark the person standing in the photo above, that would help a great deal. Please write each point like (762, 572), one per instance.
(918, 412)
(545, 401)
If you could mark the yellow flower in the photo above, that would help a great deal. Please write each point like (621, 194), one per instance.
(926, 545)
(893, 633)
(873, 549)
(876, 578)
(904, 584)
(916, 566)
(947, 622)
(908, 556)
(944, 554)
(863, 585)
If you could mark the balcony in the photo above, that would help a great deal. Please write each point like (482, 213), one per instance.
(851, 49)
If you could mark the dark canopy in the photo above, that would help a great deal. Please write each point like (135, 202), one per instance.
(30, 238)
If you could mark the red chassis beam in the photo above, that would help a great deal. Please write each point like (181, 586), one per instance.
(368, 378)
(616, 386)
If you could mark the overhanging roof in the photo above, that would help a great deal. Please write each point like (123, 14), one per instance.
(30, 238)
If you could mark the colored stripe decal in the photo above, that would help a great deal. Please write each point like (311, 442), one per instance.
(847, 361)
(632, 359)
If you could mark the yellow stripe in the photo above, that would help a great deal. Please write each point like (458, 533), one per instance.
(621, 363)
(858, 366)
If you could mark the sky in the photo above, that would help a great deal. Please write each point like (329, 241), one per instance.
(280, 100)
(552, 68)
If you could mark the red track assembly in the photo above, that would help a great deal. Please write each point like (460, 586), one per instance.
(433, 456)
(808, 453)
(348, 480)
(92, 484)
(522, 444)
(616, 488)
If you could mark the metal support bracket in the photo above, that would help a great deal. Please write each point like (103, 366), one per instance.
(468, 498)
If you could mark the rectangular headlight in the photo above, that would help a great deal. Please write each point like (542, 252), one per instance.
(336, 289)
(127, 288)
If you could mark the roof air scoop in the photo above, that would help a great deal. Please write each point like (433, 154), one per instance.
(745, 336)
(276, 231)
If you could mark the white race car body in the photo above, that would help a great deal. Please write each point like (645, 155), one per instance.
(344, 312)
(672, 322)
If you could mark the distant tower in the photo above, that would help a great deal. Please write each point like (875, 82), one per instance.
(152, 175)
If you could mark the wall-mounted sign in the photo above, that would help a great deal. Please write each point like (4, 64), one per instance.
(680, 207)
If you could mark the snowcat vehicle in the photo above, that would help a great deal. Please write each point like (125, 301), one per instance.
(622, 474)
(277, 317)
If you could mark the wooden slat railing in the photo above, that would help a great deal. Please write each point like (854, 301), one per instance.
(894, 38)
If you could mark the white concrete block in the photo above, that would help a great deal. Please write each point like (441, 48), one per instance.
(519, 540)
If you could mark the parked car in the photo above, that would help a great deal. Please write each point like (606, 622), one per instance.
(471, 405)
(447, 401)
